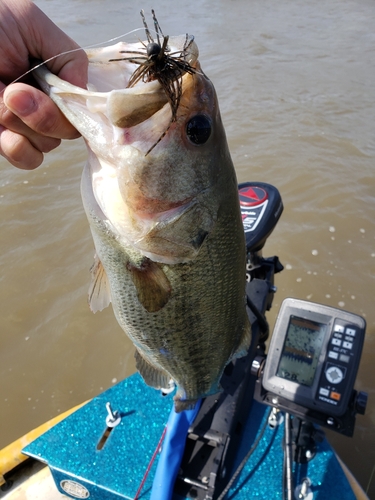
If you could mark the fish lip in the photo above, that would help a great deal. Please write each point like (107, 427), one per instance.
(111, 53)
(98, 57)
(125, 107)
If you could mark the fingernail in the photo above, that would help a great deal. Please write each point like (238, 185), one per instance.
(20, 103)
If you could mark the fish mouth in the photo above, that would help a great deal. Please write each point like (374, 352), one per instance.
(108, 98)
(110, 71)
(143, 86)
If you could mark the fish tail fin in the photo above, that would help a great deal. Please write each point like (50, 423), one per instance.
(152, 375)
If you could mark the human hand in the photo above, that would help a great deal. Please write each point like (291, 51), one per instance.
(30, 123)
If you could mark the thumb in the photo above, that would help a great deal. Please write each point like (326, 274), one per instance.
(38, 112)
(64, 57)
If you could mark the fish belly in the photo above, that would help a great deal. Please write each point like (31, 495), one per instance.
(186, 320)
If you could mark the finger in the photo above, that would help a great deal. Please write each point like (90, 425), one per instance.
(49, 41)
(38, 112)
(18, 150)
(27, 33)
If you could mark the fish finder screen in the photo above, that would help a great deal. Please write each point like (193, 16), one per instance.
(300, 355)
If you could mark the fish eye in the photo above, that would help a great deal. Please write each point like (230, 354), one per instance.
(153, 49)
(198, 129)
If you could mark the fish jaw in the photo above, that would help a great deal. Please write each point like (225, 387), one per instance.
(140, 196)
(107, 104)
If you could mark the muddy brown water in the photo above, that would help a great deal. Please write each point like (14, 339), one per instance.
(295, 81)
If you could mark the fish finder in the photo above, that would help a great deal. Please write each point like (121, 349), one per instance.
(313, 360)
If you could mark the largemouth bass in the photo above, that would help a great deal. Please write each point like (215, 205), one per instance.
(160, 193)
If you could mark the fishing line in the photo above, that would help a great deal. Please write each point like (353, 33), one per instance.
(157, 449)
(76, 50)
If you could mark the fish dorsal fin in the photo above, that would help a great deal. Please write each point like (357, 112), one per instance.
(153, 287)
(99, 291)
(154, 377)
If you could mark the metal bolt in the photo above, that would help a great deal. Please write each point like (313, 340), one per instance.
(169, 389)
(113, 417)
(275, 419)
(303, 489)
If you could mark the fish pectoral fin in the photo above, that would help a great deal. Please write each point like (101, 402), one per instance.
(152, 285)
(99, 292)
(154, 377)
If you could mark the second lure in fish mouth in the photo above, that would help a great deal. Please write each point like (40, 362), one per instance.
(160, 193)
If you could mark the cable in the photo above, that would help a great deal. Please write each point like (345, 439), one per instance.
(246, 458)
(287, 468)
(263, 325)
